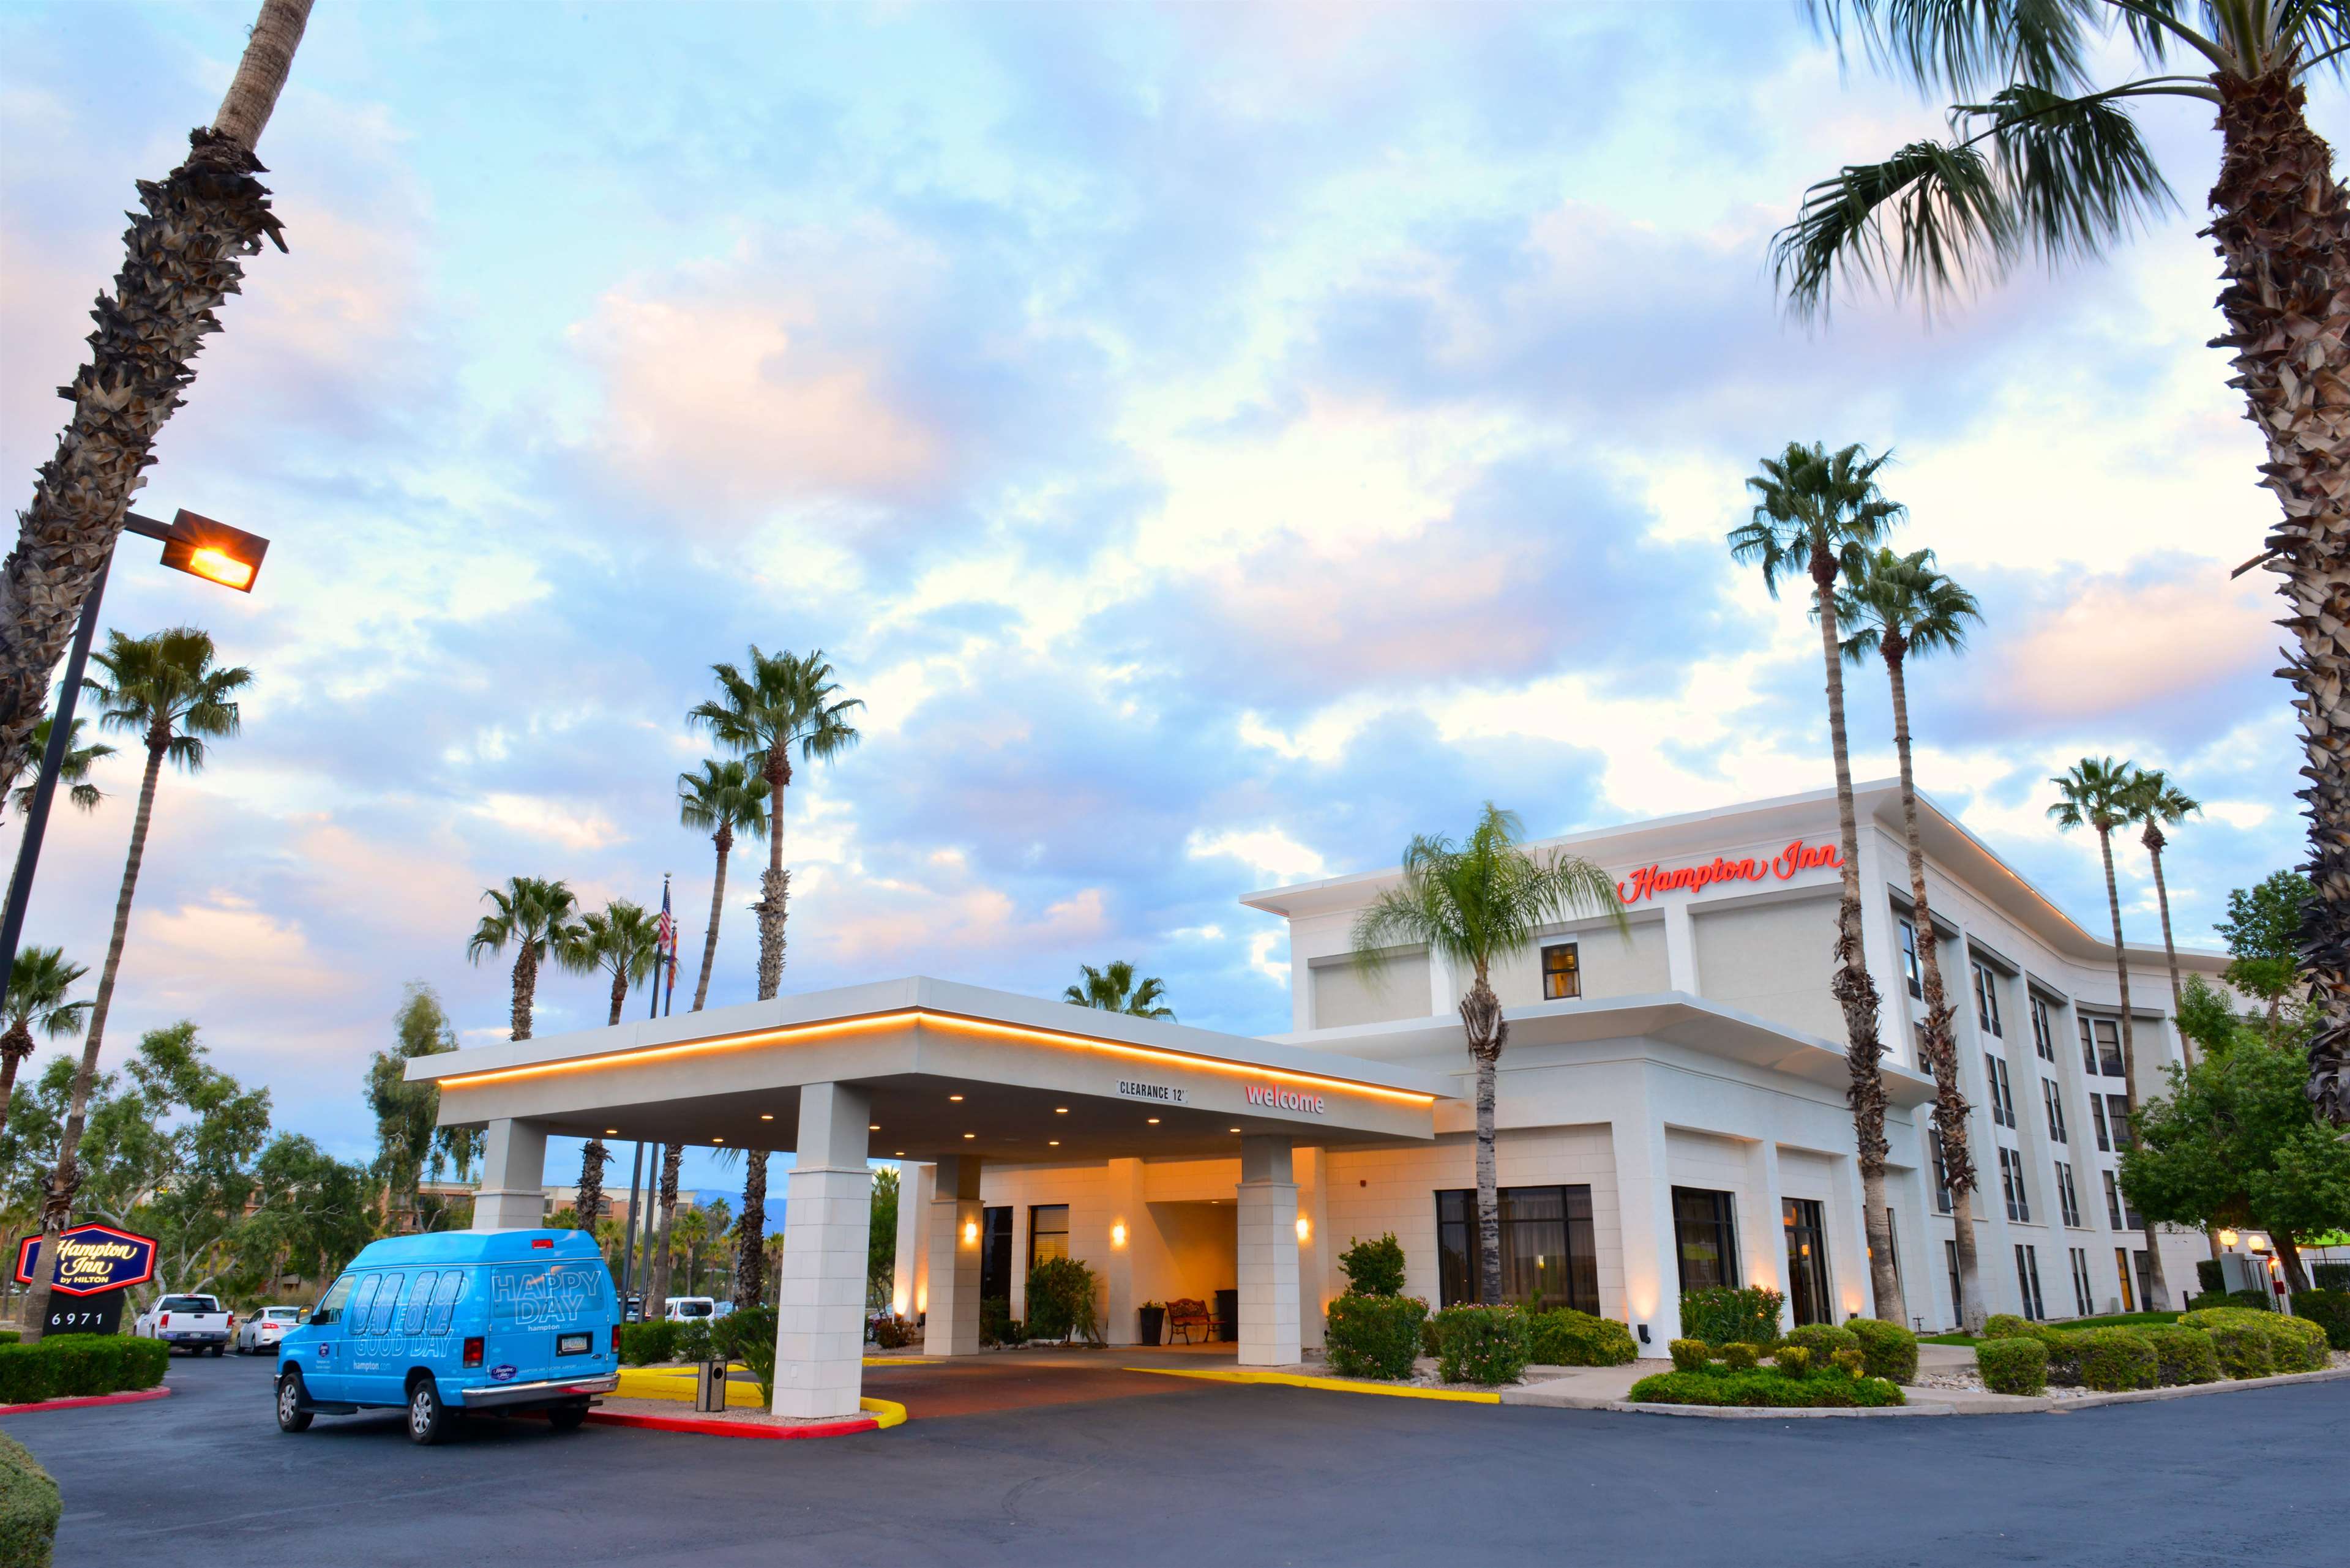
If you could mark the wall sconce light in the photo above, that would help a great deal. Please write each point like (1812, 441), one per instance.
(1304, 1228)
(1117, 1234)
(970, 1232)
(1644, 1333)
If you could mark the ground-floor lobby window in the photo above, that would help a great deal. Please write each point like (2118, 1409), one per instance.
(1547, 1252)
(1705, 1233)
(995, 1253)
(1048, 1233)
(1807, 1261)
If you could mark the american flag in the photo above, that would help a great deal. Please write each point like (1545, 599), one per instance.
(666, 933)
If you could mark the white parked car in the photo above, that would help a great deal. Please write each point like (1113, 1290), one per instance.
(688, 1309)
(259, 1334)
(193, 1323)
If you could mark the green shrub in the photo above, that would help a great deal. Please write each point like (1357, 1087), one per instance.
(2207, 1299)
(1792, 1360)
(747, 1334)
(1740, 1356)
(2329, 1310)
(26, 1376)
(1764, 1388)
(29, 1506)
(2064, 1349)
(1690, 1355)
(1823, 1339)
(144, 1362)
(997, 1325)
(1482, 1344)
(1851, 1363)
(1429, 1345)
(2007, 1325)
(2240, 1339)
(1565, 1337)
(2301, 1345)
(1889, 1349)
(646, 1344)
(2182, 1355)
(2012, 1366)
(2253, 1300)
(1720, 1315)
(2211, 1276)
(2116, 1359)
(693, 1342)
(87, 1364)
(2330, 1276)
(10, 1336)
(1061, 1302)
(1373, 1336)
(1373, 1268)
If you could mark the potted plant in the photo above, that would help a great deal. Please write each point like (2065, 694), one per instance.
(1154, 1322)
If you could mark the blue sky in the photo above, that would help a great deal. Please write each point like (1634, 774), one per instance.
(1215, 441)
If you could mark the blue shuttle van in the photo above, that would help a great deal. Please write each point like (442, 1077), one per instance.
(461, 1323)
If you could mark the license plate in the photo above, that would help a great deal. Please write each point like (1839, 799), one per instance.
(573, 1344)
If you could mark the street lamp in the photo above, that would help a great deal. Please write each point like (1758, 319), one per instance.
(196, 545)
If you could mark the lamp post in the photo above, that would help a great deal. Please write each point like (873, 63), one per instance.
(196, 545)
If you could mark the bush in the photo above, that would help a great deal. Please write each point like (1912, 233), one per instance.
(2064, 1348)
(996, 1326)
(1720, 1315)
(891, 1332)
(693, 1341)
(2239, 1339)
(144, 1362)
(2182, 1355)
(2329, 1310)
(1428, 1344)
(68, 1365)
(2330, 1276)
(10, 1336)
(2301, 1345)
(1482, 1344)
(87, 1364)
(1889, 1349)
(1061, 1302)
(2207, 1299)
(1764, 1388)
(2012, 1366)
(2255, 1301)
(2116, 1359)
(1690, 1355)
(1565, 1337)
(26, 1376)
(29, 1506)
(1373, 1268)
(1851, 1363)
(1740, 1356)
(2007, 1325)
(1823, 1339)
(1373, 1336)
(1792, 1360)
(646, 1344)
(2211, 1276)
(747, 1334)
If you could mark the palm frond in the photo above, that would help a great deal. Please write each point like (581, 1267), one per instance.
(1474, 903)
(1962, 46)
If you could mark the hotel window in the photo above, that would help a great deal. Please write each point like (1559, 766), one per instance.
(1987, 1000)
(2044, 1029)
(2081, 1305)
(1950, 1259)
(2113, 1200)
(2055, 1111)
(2117, 1113)
(1807, 1261)
(1942, 1172)
(2122, 1270)
(2101, 1046)
(995, 1253)
(1547, 1251)
(1910, 972)
(2068, 1202)
(1048, 1233)
(2010, 1184)
(1705, 1234)
(2027, 1276)
(1562, 976)
(2144, 1277)
(2002, 1100)
(2097, 1115)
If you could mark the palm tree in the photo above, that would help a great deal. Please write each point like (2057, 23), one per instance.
(784, 701)
(691, 1233)
(180, 259)
(37, 985)
(1898, 608)
(2097, 791)
(2157, 803)
(720, 799)
(2050, 166)
(1820, 513)
(165, 689)
(1113, 990)
(536, 917)
(74, 771)
(1473, 905)
(622, 940)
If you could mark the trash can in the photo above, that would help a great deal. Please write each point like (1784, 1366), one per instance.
(1227, 1315)
(710, 1386)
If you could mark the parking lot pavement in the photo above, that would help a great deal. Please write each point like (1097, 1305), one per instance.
(1205, 1474)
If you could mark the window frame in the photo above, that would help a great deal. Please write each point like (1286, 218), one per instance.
(2068, 1199)
(1723, 1222)
(1572, 970)
(1037, 1208)
(2027, 1279)
(2084, 1299)
(2113, 1202)
(1987, 1016)
(1942, 1196)
(1911, 972)
(2043, 1027)
(2055, 1102)
(1458, 1282)
(1803, 1220)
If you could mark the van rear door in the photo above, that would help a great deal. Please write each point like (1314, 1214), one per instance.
(550, 1320)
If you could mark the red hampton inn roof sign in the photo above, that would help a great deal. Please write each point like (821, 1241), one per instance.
(93, 1259)
(1651, 880)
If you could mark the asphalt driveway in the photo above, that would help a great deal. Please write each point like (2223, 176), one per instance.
(1207, 1476)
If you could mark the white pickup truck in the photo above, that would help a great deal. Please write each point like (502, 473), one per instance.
(193, 1323)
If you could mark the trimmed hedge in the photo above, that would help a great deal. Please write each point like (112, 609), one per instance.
(1691, 1354)
(29, 1506)
(2182, 1355)
(2211, 1276)
(2253, 1343)
(68, 1365)
(1889, 1349)
(1481, 1344)
(2117, 1359)
(1720, 1315)
(1791, 1360)
(647, 1343)
(2012, 1366)
(2300, 1344)
(1765, 1387)
(2329, 1310)
(1823, 1338)
(693, 1342)
(2007, 1325)
(1565, 1337)
(1851, 1363)
(1373, 1336)
(2330, 1276)
(10, 1336)
(1740, 1356)
(2064, 1353)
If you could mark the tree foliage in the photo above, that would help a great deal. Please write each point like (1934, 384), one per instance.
(1114, 989)
(2233, 1143)
(409, 1144)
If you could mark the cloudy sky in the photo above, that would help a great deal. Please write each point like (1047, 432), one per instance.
(1215, 441)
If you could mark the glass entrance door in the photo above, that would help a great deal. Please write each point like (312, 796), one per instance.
(1807, 1261)
(995, 1254)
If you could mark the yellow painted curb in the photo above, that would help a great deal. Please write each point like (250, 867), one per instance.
(885, 1413)
(1335, 1385)
(897, 1360)
(673, 1382)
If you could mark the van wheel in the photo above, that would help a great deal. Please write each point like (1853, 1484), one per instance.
(567, 1418)
(291, 1416)
(429, 1420)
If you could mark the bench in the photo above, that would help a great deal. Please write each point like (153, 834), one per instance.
(1185, 1317)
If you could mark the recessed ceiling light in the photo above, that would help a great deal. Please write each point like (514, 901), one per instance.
(1154, 1121)
(899, 1155)
(1054, 1141)
(718, 1140)
(971, 1135)
(872, 1127)
(1236, 1129)
(766, 1115)
(1060, 1110)
(611, 1132)
(954, 1096)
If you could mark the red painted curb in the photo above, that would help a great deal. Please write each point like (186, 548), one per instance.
(134, 1396)
(729, 1429)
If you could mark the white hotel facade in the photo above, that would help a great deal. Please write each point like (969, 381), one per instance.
(1671, 1105)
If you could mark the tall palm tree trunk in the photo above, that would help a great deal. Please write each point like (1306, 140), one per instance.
(59, 1188)
(1854, 992)
(590, 1203)
(749, 1251)
(2283, 229)
(2154, 842)
(673, 1157)
(14, 1046)
(525, 989)
(181, 261)
(1941, 1051)
(620, 990)
(750, 1234)
(724, 839)
(2157, 1293)
(1487, 1031)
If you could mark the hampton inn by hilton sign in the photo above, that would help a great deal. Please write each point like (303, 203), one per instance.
(92, 1258)
(1651, 880)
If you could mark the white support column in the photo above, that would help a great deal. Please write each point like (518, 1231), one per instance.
(1644, 1198)
(1312, 1167)
(952, 1326)
(913, 1231)
(1761, 1220)
(1268, 1254)
(1681, 947)
(820, 1319)
(1849, 1279)
(513, 1194)
(1122, 1193)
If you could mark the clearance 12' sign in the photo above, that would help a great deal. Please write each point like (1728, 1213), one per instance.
(1651, 880)
(94, 1258)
